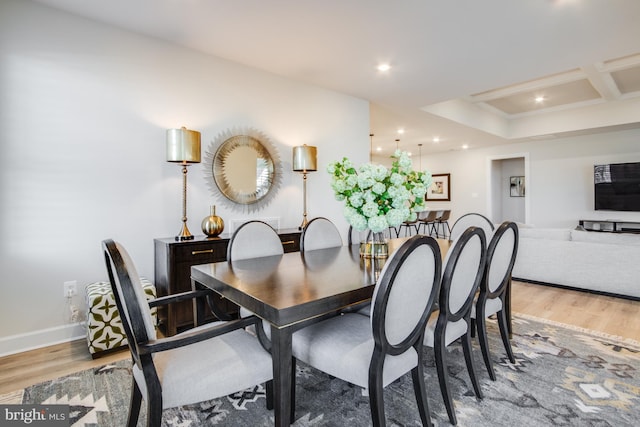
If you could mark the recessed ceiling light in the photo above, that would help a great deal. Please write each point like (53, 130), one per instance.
(384, 67)
(379, 149)
(400, 131)
(436, 139)
(465, 146)
(539, 99)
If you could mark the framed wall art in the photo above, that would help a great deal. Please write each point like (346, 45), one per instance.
(440, 189)
(516, 186)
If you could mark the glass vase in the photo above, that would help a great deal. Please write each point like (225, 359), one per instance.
(374, 246)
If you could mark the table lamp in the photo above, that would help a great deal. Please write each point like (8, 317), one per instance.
(183, 146)
(305, 160)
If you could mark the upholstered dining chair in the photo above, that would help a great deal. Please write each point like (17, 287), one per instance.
(501, 256)
(373, 352)
(197, 365)
(469, 220)
(320, 233)
(255, 239)
(463, 269)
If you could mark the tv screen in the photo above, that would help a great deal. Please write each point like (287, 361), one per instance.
(617, 187)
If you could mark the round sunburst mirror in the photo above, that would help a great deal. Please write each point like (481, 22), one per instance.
(244, 168)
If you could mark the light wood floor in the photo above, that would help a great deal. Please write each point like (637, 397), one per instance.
(614, 316)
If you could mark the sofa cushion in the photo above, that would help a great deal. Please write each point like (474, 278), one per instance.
(608, 238)
(545, 233)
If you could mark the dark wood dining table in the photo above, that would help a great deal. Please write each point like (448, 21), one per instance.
(291, 290)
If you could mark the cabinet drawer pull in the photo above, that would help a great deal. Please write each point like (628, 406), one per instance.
(289, 242)
(206, 251)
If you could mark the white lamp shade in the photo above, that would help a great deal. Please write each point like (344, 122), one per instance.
(183, 145)
(305, 158)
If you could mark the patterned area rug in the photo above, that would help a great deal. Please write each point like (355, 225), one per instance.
(562, 376)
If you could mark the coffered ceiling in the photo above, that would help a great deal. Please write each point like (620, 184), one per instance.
(466, 71)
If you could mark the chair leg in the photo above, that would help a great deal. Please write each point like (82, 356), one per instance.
(420, 391)
(468, 358)
(269, 394)
(484, 345)
(441, 368)
(504, 333)
(154, 411)
(376, 397)
(134, 405)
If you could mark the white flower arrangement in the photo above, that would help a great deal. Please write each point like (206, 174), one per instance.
(376, 197)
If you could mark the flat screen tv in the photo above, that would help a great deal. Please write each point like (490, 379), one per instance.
(617, 187)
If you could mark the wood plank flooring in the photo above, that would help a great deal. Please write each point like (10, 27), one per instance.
(614, 316)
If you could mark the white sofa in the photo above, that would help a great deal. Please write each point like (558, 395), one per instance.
(595, 261)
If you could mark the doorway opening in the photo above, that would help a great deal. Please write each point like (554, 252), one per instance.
(509, 188)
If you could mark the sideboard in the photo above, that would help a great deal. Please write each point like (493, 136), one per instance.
(173, 261)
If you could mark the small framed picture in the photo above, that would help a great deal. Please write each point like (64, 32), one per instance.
(440, 189)
(516, 186)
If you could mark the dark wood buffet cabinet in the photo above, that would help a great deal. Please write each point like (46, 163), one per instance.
(173, 261)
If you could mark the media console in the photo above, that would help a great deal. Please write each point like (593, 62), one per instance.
(611, 226)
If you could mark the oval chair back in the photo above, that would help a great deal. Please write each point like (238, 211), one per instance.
(130, 298)
(320, 233)
(462, 273)
(472, 220)
(254, 239)
(501, 256)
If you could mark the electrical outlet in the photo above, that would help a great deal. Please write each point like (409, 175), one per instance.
(75, 314)
(70, 288)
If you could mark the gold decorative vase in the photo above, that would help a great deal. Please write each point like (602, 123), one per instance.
(212, 225)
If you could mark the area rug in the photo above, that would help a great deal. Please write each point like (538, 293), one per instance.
(563, 376)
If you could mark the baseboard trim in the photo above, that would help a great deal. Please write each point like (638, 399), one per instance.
(573, 288)
(42, 338)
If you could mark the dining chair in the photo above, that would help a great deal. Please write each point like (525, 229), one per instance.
(428, 221)
(443, 220)
(501, 256)
(320, 233)
(471, 219)
(408, 226)
(255, 239)
(197, 365)
(373, 352)
(462, 274)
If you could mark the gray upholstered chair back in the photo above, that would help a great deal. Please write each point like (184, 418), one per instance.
(406, 291)
(503, 256)
(320, 233)
(464, 267)
(254, 239)
(471, 220)
(130, 298)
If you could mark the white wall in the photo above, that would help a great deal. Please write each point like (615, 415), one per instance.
(83, 112)
(559, 183)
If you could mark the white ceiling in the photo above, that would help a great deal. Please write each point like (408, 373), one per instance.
(463, 70)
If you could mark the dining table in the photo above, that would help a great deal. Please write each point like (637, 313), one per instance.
(292, 290)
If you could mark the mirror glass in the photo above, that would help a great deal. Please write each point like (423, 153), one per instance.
(243, 169)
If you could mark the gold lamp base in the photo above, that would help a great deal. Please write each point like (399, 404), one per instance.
(184, 233)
